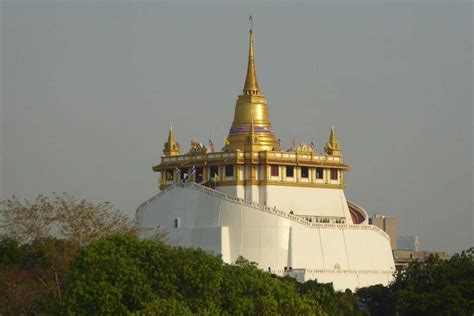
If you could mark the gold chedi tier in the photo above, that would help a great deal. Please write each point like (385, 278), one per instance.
(333, 147)
(251, 109)
(171, 146)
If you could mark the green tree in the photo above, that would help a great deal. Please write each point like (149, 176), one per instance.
(436, 287)
(250, 291)
(43, 238)
(120, 274)
(171, 307)
(377, 299)
(199, 276)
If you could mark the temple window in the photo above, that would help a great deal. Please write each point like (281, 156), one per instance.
(334, 174)
(304, 172)
(199, 175)
(169, 174)
(214, 171)
(229, 170)
(290, 171)
(319, 173)
(274, 170)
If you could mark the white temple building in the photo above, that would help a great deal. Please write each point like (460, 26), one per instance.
(284, 209)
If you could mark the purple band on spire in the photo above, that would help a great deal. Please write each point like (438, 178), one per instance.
(246, 129)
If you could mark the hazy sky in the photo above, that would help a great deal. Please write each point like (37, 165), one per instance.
(89, 90)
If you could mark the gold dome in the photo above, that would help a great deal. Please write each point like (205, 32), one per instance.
(250, 107)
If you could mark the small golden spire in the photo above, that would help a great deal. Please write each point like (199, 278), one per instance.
(251, 138)
(252, 130)
(251, 83)
(332, 145)
(171, 147)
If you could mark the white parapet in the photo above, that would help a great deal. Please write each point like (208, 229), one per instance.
(349, 255)
(304, 200)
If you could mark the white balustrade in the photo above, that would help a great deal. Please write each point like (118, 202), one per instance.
(296, 218)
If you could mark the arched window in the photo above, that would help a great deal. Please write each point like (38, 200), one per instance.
(176, 222)
(319, 173)
(274, 170)
(229, 170)
(289, 171)
(304, 172)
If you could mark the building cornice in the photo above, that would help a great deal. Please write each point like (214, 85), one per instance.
(244, 158)
(281, 183)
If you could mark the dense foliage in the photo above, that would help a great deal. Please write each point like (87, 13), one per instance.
(62, 256)
(122, 274)
(435, 287)
(41, 239)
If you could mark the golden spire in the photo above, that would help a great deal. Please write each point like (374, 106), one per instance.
(171, 147)
(251, 105)
(251, 83)
(332, 145)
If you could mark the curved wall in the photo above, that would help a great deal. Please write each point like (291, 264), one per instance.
(350, 256)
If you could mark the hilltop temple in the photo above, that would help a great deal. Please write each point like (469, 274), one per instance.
(284, 209)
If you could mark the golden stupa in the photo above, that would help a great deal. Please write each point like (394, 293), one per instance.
(251, 108)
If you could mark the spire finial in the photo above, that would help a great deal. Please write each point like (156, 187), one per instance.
(171, 134)
(332, 136)
(251, 84)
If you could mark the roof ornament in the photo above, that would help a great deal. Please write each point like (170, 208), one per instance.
(198, 148)
(304, 148)
(332, 145)
(172, 148)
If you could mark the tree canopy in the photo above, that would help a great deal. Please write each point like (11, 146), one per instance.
(122, 274)
(436, 287)
(40, 240)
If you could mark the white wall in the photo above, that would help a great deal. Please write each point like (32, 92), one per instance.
(363, 255)
(301, 200)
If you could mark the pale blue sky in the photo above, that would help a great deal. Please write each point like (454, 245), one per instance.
(89, 90)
